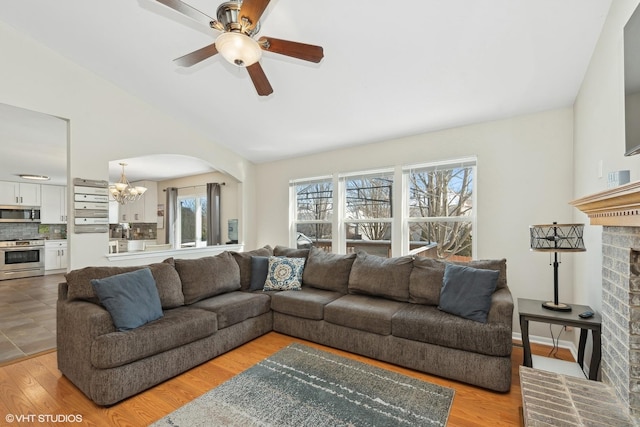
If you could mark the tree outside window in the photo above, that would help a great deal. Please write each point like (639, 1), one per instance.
(193, 221)
(433, 204)
(441, 210)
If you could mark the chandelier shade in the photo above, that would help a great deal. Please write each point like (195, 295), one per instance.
(123, 192)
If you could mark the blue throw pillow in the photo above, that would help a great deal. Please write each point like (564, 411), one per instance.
(259, 271)
(131, 298)
(466, 291)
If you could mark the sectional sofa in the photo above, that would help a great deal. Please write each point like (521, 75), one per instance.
(415, 312)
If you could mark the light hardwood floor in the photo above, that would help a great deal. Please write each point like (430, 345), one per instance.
(36, 387)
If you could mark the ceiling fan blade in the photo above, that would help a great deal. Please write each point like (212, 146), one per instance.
(189, 11)
(259, 79)
(307, 52)
(253, 10)
(196, 56)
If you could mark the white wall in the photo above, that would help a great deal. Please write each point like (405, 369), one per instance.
(524, 177)
(106, 123)
(599, 138)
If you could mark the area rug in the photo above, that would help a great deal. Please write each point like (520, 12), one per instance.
(303, 386)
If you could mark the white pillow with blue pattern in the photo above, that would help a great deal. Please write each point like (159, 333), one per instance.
(284, 274)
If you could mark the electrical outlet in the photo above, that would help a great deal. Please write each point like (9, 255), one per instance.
(568, 328)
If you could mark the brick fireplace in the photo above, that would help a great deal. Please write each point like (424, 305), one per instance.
(618, 211)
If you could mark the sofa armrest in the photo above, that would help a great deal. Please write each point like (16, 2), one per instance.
(78, 323)
(63, 290)
(501, 310)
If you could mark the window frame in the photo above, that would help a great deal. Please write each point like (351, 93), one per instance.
(465, 162)
(400, 220)
(342, 219)
(293, 208)
(197, 196)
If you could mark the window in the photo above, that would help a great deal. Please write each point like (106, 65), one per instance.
(368, 212)
(426, 210)
(440, 209)
(192, 217)
(313, 212)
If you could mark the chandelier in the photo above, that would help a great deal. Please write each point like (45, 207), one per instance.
(123, 192)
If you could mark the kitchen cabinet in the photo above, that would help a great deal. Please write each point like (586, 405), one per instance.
(145, 209)
(56, 256)
(114, 208)
(19, 193)
(53, 209)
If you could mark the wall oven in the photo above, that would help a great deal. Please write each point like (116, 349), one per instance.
(21, 258)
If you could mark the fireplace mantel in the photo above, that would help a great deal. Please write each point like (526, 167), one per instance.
(619, 206)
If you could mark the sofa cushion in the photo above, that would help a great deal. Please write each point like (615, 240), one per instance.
(130, 298)
(428, 324)
(325, 270)
(499, 265)
(425, 281)
(208, 276)
(466, 291)
(426, 278)
(362, 312)
(168, 283)
(164, 273)
(307, 303)
(379, 276)
(178, 326)
(259, 272)
(284, 274)
(235, 307)
(290, 252)
(243, 259)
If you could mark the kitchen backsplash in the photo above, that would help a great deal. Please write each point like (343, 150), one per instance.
(134, 231)
(10, 231)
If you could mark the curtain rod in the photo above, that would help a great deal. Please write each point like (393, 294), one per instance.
(194, 186)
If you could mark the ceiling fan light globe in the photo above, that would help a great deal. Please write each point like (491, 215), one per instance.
(238, 49)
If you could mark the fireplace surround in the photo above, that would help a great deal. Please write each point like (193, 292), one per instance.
(618, 211)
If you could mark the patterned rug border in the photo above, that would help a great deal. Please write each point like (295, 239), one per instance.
(304, 386)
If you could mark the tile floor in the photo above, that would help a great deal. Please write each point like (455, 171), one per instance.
(28, 316)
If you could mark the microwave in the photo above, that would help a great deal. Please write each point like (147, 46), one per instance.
(19, 214)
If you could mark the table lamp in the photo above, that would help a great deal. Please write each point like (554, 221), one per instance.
(556, 238)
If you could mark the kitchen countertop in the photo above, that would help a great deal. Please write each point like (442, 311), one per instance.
(133, 258)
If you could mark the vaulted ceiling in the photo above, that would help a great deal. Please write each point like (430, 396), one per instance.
(390, 69)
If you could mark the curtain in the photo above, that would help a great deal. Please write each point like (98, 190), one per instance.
(214, 235)
(171, 215)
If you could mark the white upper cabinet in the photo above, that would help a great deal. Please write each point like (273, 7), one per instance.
(54, 204)
(145, 209)
(19, 193)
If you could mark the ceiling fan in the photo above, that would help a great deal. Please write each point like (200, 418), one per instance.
(239, 21)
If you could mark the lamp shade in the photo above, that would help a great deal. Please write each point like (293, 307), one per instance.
(239, 49)
(557, 237)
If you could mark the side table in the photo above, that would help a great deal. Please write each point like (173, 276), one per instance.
(532, 310)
